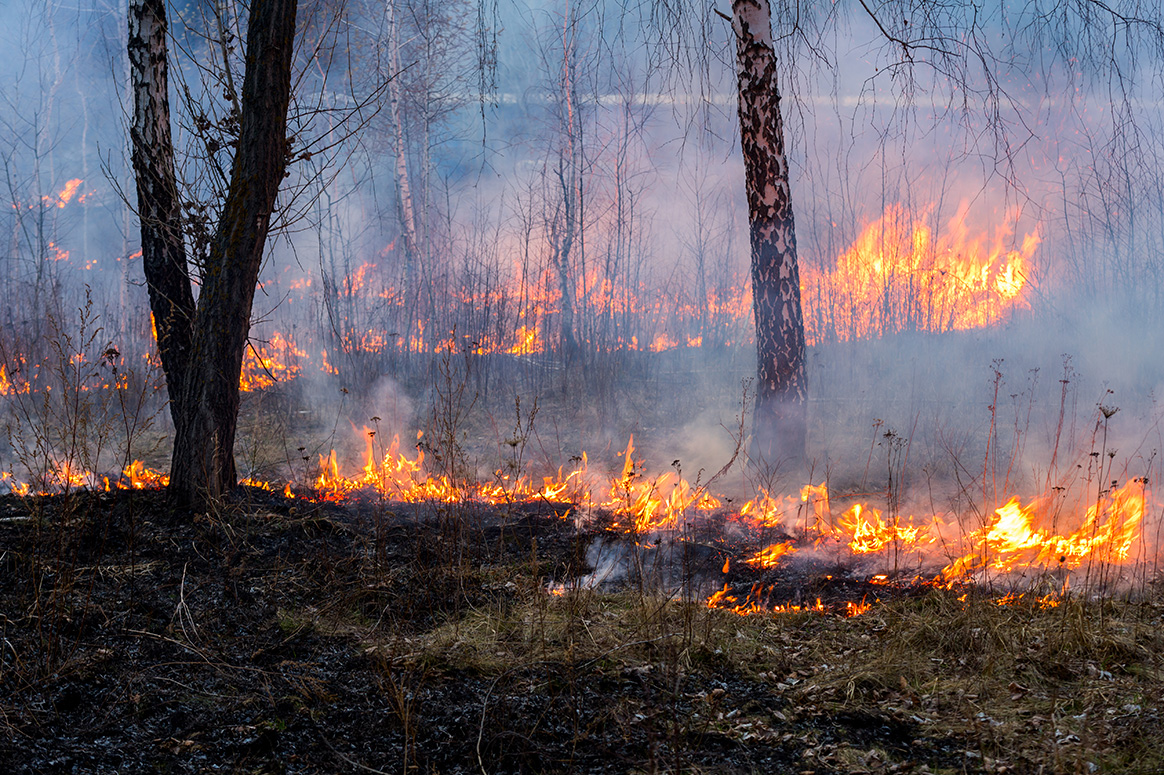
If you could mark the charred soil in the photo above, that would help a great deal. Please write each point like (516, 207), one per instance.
(282, 636)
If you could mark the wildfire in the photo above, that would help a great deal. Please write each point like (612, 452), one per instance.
(770, 556)
(529, 341)
(397, 476)
(899, 276)
(8, 387)
(265, 364)
(1013, 540)
(645, 505)
(64, 196)
(867, 533)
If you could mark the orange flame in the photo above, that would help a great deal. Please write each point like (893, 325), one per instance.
(899, 276)
(10, 387)
(868, 533)
(770, 556)
(64, 196)
(137, 477)
(1108, 534)
(266, 364)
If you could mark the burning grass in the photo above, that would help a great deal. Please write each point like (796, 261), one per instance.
(281, 635)
(1049, 542)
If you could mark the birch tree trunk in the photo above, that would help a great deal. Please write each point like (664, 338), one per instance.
(780, 422)
(203, 345)
(404, 198)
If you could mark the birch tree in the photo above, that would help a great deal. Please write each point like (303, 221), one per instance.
(780, 420)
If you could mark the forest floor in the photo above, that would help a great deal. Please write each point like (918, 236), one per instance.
(282, 636)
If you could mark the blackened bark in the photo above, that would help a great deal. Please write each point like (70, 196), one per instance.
(780, 421)
(163, 255)
(202, 346)
(203, 466)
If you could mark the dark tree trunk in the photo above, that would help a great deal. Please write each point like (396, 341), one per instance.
(163, 255)
(203, 383)
(780, 421)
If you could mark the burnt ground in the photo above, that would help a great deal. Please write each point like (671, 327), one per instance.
(279, 636)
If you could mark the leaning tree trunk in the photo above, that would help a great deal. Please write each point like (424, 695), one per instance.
(780, 421)
(202, 347)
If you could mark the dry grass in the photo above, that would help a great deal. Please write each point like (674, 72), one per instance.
(944, 682)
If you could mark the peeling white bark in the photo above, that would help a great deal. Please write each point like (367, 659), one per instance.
(780, 422)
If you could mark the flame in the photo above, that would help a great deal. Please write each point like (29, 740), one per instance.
(327, 367)
(770, 556)
(10, 388)
(663, 341)
(754, 603)
(136, 476)
(57, 477)
(867, 532)
(357, 280)
(269, 363)
(529, 341)
(56, 253)
(64, 196)
(398, 477)
(14, 486)
(763, 511)
(898, 276)
(1109, 532)
(646, 505)
(856, 609)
